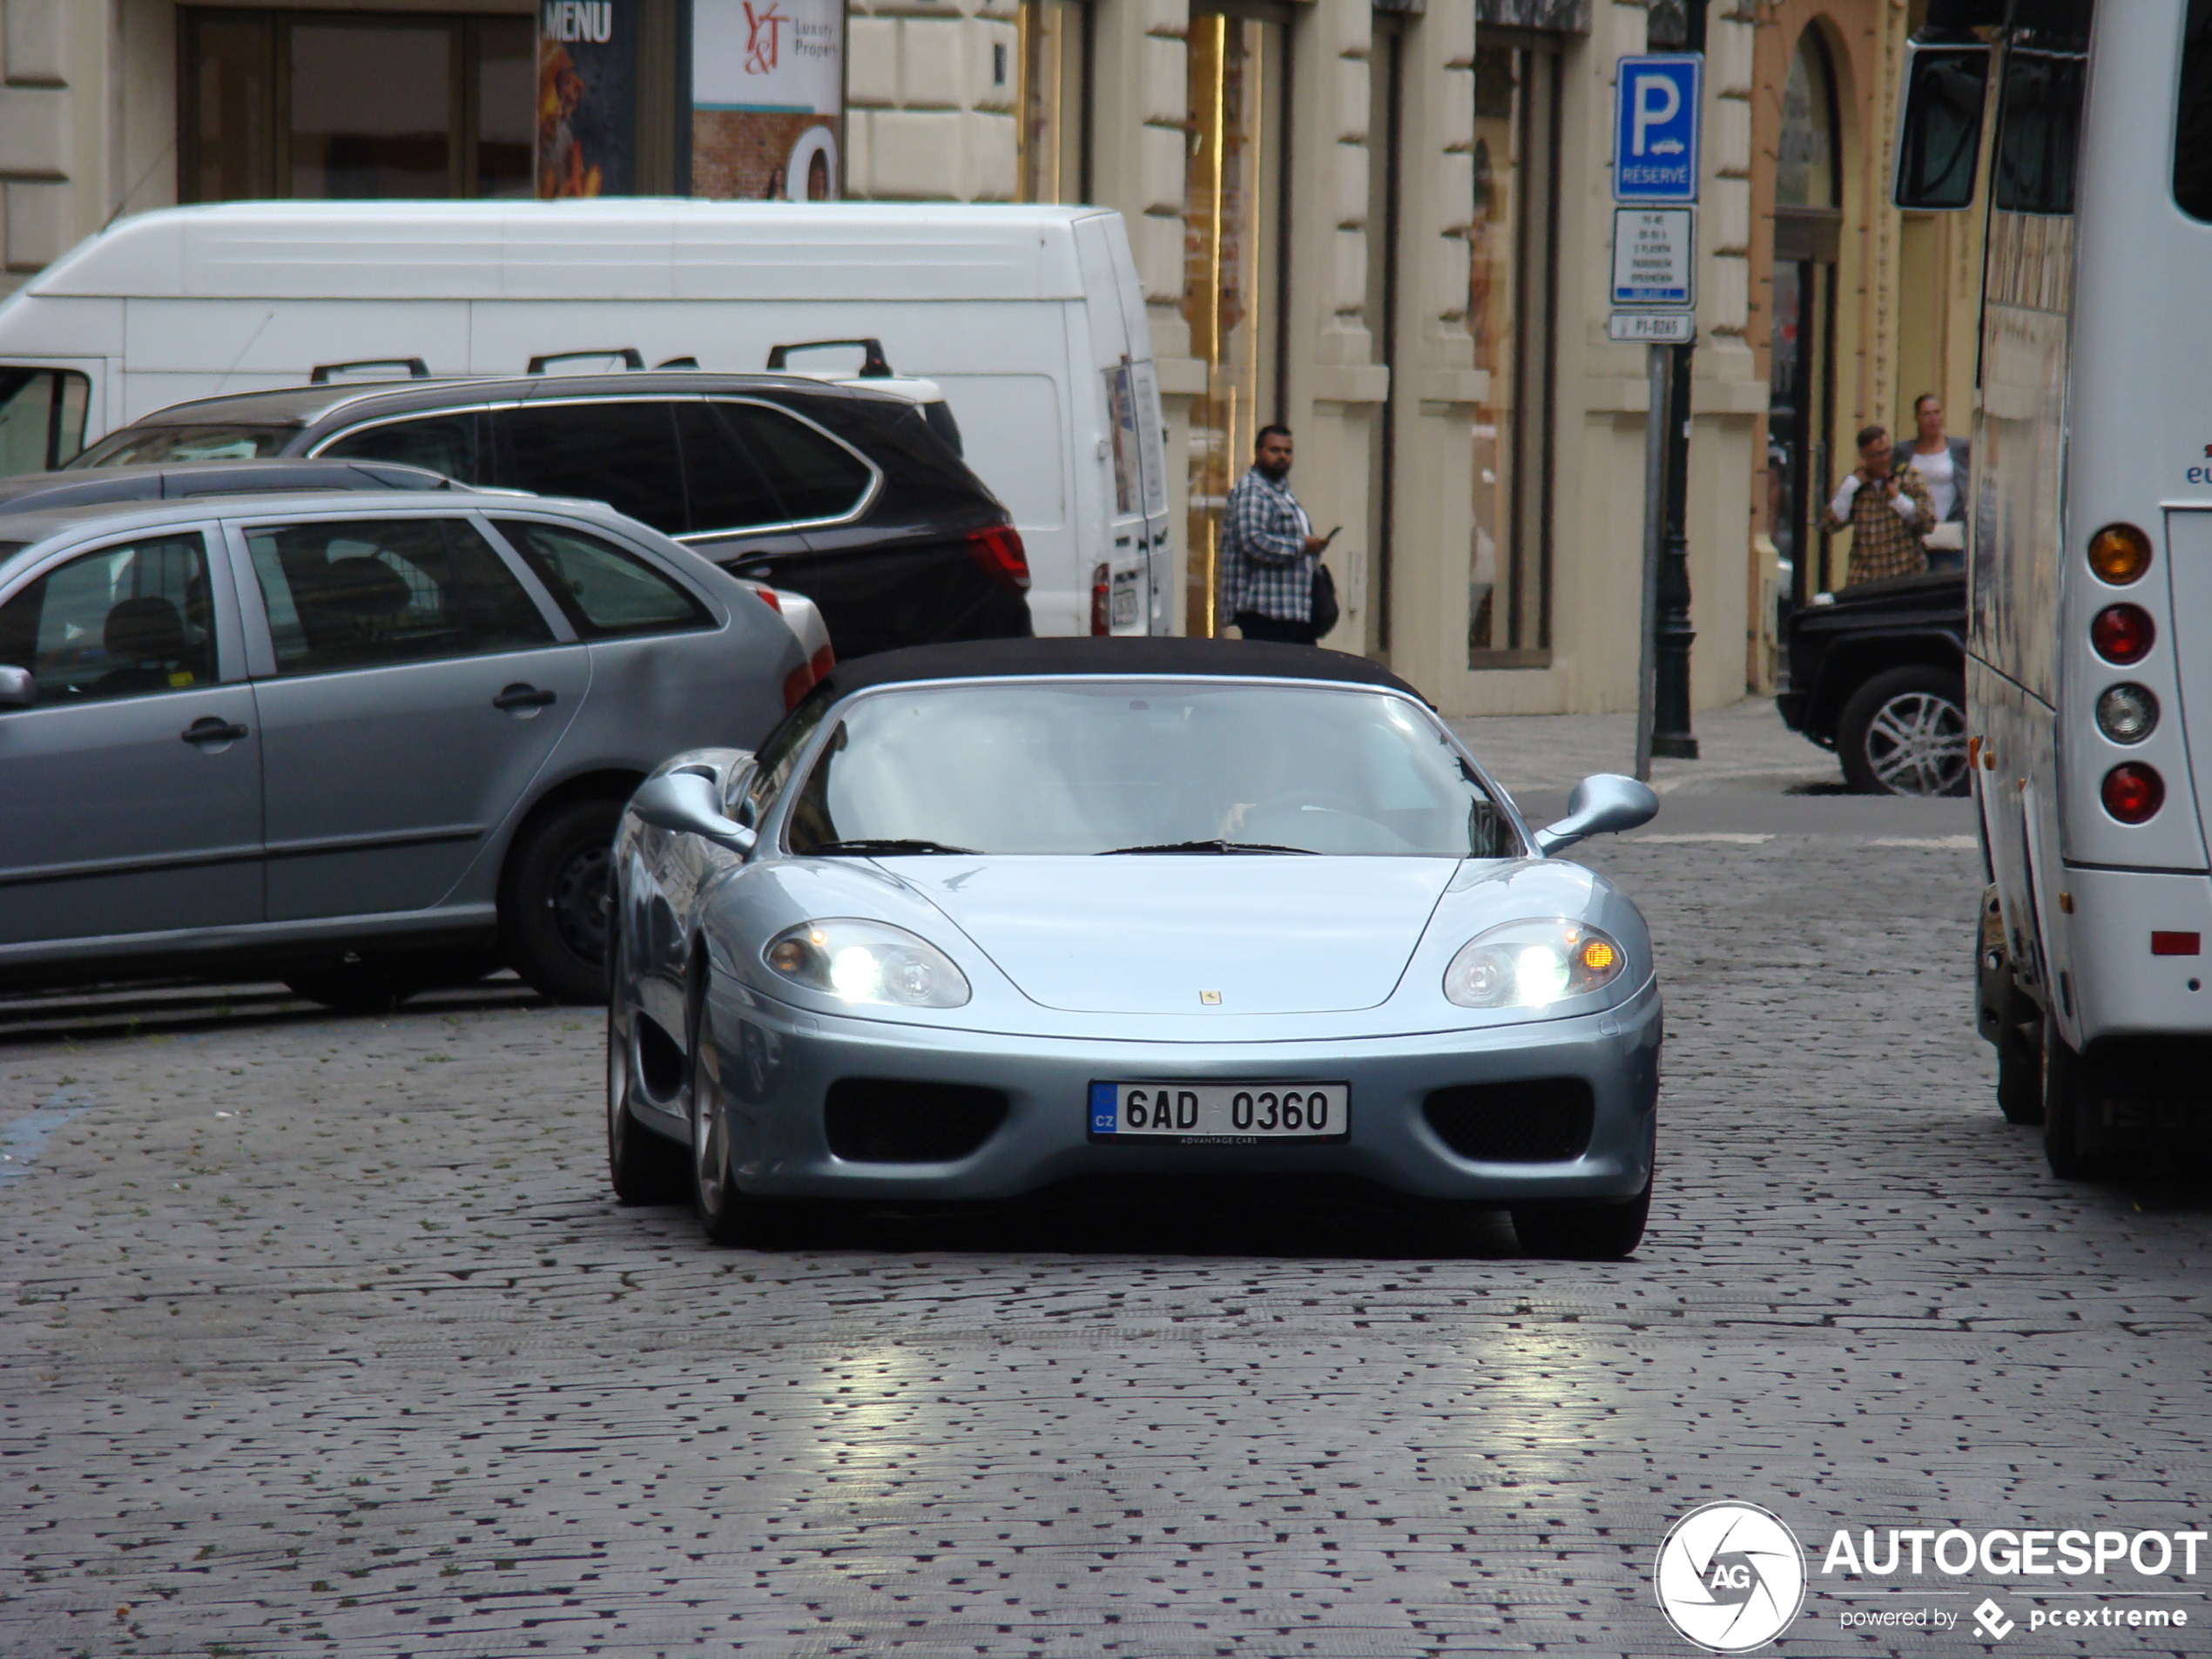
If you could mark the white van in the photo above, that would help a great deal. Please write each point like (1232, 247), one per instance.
(1030, 320)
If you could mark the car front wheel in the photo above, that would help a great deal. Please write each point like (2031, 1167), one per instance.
(1904, 732)
(1596, 1233)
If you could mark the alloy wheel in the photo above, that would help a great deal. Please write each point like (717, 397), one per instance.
(1916, 744)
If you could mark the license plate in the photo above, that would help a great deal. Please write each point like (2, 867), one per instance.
(1230, 1113)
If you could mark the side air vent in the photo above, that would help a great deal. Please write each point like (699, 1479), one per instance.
(876, 1120)
(1546, 1120)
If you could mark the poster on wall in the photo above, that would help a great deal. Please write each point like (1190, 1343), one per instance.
(587, 97)
(767, 99)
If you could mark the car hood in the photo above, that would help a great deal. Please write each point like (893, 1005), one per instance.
(1158, 933)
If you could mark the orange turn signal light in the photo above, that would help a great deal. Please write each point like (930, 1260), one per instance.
(1598, 955)
(2119, 554)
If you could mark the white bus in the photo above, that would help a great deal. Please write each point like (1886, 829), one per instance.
(2083, 129)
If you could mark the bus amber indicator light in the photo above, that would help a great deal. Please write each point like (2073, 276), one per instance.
(2134, 793)
(2122, 633)
(2119, 554)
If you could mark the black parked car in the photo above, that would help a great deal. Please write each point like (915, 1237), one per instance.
(1877, 673)
(847, 494)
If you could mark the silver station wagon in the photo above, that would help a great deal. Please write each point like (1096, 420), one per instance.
(369, 744)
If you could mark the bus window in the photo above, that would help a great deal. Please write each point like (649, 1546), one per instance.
(42, 417)
(2193, 124)
(1938, 135)
(2038, 111)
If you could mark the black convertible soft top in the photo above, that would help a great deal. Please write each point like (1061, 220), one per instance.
(1010, 658)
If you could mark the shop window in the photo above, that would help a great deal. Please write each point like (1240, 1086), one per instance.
(331, 106)
(1231, 271)
(1513, 278)
(1052, 97)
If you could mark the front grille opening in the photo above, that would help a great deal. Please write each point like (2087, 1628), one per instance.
(660, 1060)
(883, 1120)
(1545, 1120)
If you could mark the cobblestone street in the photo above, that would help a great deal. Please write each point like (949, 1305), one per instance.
(326, 1335)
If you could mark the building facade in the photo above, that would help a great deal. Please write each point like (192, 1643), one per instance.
(1387, 227)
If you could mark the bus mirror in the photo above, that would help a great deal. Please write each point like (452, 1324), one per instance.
(1938, 135)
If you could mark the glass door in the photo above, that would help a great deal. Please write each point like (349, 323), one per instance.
(1232, 255)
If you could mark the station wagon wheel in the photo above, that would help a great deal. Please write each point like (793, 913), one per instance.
(1904, 732)
(553, 904)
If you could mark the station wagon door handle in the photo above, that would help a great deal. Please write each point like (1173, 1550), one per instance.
(212, 730)
(520, 696)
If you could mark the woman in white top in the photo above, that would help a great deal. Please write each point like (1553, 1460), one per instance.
(1941, 462)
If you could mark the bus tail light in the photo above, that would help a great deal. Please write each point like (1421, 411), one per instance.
(2127, 714)
(2122, 634)
(997, 550)
(2133, 793)
(1102, 600)
(2119, 554)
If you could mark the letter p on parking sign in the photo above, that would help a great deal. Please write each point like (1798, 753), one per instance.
(1655, 128)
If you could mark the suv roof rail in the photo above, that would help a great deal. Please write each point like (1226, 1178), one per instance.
(874, 365)
(632, 358)
(416, 368)
(686, 362)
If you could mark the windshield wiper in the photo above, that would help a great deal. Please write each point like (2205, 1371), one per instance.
(1207, 846)
(866, 847)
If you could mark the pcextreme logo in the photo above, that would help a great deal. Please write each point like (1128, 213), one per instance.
(1731, 1577)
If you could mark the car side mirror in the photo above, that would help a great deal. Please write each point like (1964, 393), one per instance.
(1603, 805)
(684, 801)
(17, 689)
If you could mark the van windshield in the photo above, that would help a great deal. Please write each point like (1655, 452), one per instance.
(139, 445)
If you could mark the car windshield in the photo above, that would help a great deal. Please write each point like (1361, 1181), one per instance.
(139, 444)
(1134, 766)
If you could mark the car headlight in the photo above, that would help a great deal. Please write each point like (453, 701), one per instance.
(867, 961)
(1532, 964)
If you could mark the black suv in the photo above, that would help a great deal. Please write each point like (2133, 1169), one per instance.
(848, 495)
(1877, 673)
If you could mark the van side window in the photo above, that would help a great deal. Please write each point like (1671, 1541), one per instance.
(620, 451)
(362, 593)
(42, 417)
(814, 476)
(446, 443)
(725, 487)
(2039, 112)
(120, 622)
(606, 591)
(2193, 123)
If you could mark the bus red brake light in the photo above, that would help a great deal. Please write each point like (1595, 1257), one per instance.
(2133, 793)
(2119, 554)
(2122, 634)
(1102, 600)
(998, 552)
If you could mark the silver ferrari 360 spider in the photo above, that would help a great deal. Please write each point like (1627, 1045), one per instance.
(981, 918)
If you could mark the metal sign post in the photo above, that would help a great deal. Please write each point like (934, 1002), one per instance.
(1656, 133)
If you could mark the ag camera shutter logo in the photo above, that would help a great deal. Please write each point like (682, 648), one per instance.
(1731, 1577)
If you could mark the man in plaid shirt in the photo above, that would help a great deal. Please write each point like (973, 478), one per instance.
(1268, 550)
(1886, 512)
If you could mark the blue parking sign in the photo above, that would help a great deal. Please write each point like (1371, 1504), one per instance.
(1655, 128)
